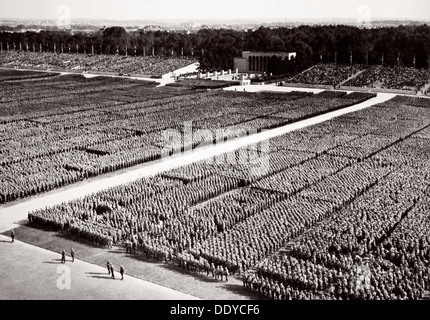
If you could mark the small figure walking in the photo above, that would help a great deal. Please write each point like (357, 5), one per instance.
(108, 266)
(72, 254)
(12, 235)
(63, 256)
(121, 271)
(112, 271)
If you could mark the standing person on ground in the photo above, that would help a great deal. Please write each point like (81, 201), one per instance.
(12, 235)
(112, 271)
(63, 256)
(72, 253)
(121, 271)
(108, 266)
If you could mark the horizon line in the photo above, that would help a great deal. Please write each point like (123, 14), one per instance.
(233, 21)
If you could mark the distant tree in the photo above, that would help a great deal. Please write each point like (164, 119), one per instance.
(216, 48)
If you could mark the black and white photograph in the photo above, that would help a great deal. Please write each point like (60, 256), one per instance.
(248, 152)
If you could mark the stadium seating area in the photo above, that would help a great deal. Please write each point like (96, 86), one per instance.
(149, 65)
(327, 74)
(65, 128)
(400, 78)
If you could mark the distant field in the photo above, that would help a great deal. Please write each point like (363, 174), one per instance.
(147, 65)
(361, 76)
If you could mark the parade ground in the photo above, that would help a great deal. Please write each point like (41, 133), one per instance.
(31, 273)
(29, 266)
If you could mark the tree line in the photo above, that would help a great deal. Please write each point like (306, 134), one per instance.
(216, 48)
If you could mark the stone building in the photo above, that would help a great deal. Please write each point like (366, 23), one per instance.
(258, 61)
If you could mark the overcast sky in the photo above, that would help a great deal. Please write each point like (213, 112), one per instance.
(203, 9)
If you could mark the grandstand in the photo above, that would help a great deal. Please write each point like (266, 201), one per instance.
(331, 74)
(397, 78)
(151, 66)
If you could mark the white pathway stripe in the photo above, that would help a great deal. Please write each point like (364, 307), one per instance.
(30, 272)
(15, 212)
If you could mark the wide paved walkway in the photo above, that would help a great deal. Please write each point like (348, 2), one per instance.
(31, 273)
